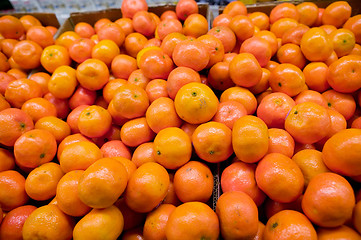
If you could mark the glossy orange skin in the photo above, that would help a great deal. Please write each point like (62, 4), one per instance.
(184, 8)
(284, 10)
(344, 103)
(27, 54)
(12, 182)
(144, 23)
(92, 74)
(291, 53)
(240, 176)
(354, 24)
(332, 197)
(311, 96)
(280, 141)
(289, 224)
(40, 35)
(245, 70)
(259, 47)
(226, 35)
(179, 77)
(63, 82)
(122, 66)
(158, 218)
(218, 76)
(336, 13)
(316, 45)
(11, 27)
(130, 7)
(320, 70)
(281, 26)
(230, 206)
(80, 50)
(84, 30)
(308, 12)
(94, 116)
(294, 35)
(7, 46)
(53, 57)
(21, 90)
(156, 64)
(222, 19)
(215, 48)
(29, 21)
(260, 20)
(195, 25)
(38, 108)
(135, 132)
(228, 112)
(242, 27)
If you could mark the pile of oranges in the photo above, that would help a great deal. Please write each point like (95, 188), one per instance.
(114, 131)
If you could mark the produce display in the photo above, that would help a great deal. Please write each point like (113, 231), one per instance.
(173, 125)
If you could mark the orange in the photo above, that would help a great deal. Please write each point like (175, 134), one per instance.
(316, 76)
(111, 87)
(7, 160)
(17, 73)
(280, 141)
(40, 35)
(343, 103)
(190, 176)
(238, 215)
(11, 27)
(192, 54)
(12, 183)
(284, 10)
(125, 24)
(12, 224)
(82, 96)
(240, 176)
(99, 190)
(105, 50)
(63, 82)
(135, 132)
(282, 25)
(48, 222)
(123, 65)
(337, 233)
(131, 101)
(242, 27)
(154, 63)
(179, 77)
(100, 223)
(115, 148)
(7, 46)
(260, 20)
(343, 75)
(53, 30)
(112, 134)
(356, 50)
(343, 41)
(129, 8)
(167, 26)
(212, 142)
(310, 162)
(137, 77)
(42, 79)
(241, 95)
(308, 12)
(92, 74)
(147, 187)
(354, 24)
(14, 122)
(143, 153)
(289, 224)
(156, 221)
(84, 30)
(215, 48)
(168, 14)
(196, 103)
(218, 76)
(274, 108)
(337, 13)
(172, 148)
(21, 90)
(235, 8)
(189, 128)
(311, 96)
(29, 21)
(170, 41)
(133, 234)
(34, 148)
(5, 79)
(195, 25)
(3, 103)
(316, 45)
(111, 31)
(226, 35)
(306, 128)
(291, 53)
(42, 181)
(245, 70)
(81, 49)
(144, 23)
(272, 207)
(133, 43)
(66, 39)
(53, 57)
(279, 177)
(68, 140)
(250, 138)
(259, 47)
(156, 88)
(328, 29)
(38, 108)
(338, 123)
(346, 140)
(94, 116)
(5, 65)
(228, 112)
(162, 114)
(294, 35)
(356, 220)
(328, 200)
(193, 220)
(67, 194)
(184, 8)
(130, 166)
(27, 54)
(132, 219)
(171, 197)
(79, 156)
(222, 19)
(288, 79)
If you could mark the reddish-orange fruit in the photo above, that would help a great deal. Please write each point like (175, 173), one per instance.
(340, 152)
(354, 24)
(94, 116)
(289, 224)
(308, 128)
(193, 220)
(280, 141)
(242, 27)
(12, 183)
(11, 27)
(184, 8)
(156, 221)
(308, 12)
(336, 14)
(154, 64)
(115, 148)
(328, 200)
(135, 132)
(143, 153)
(172, 148)
(240, 176)
(228, 112)
(259, 47)
(316, 76)
(21, 90)
(245, 70)
(284, 10)
(193, 175)
(232, 205)
(212, 141)
(179, 77)
(250, 139)
(280, 178)
(226, 35)
(316, 45)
